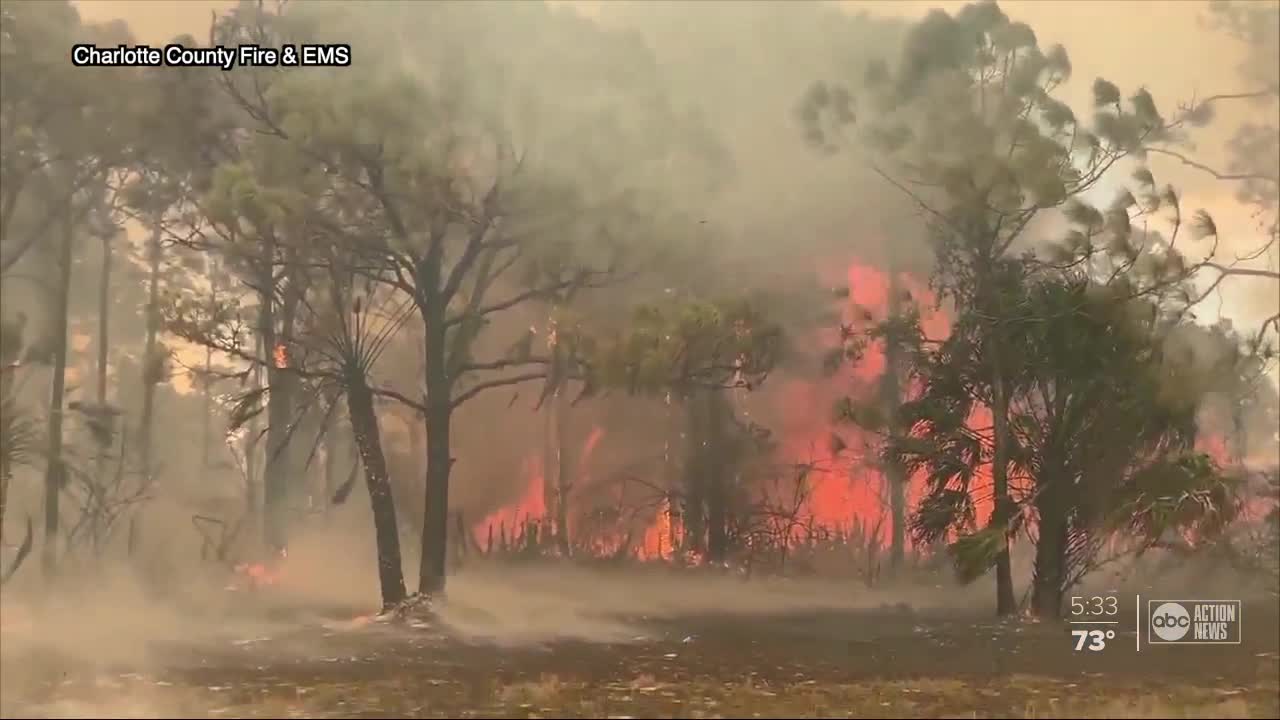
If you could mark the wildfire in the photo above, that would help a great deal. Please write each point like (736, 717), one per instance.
(660, 537)
(532, 506)
(253, 576)
(281, 356)
(845, 493)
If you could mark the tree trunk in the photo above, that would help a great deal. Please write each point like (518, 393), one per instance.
(891, 398)
(410, 517)
(549, 469)
(1003, 511)
(308, 475)
(251, 463)
(104, 317)
(695, 496)
(364, 424)
(1051, 550)
(104, 339)
(717, 465)
(565, 464)
(670, 477)
(4, 458)
(1239, 431)
(435, 512)
(206, 417)
(990, 304)
(150, 363)
(277, 476)
(54, 470)
(334, 460)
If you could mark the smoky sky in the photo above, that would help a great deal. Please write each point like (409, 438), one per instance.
(1134, 43)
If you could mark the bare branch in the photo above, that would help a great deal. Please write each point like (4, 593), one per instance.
(500, 364)
(480, 387)
(1275, 179)
(1251, 272)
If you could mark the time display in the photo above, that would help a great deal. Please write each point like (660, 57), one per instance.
(1095, 606)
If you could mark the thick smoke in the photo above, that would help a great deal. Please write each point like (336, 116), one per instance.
(725, 168)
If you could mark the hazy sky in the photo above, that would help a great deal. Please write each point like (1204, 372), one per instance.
(1161, 44)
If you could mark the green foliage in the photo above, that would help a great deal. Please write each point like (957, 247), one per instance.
(968, 126)
(1105, 93)
(973, 554)
(1099, 435)
(970, 114)
(62, 128)
(682, 346)
(1185, 494)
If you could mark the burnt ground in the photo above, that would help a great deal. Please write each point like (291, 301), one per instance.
(883, 662)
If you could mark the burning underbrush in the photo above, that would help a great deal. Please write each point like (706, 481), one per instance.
(805, 492)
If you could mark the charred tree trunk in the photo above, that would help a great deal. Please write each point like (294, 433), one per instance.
(565, 464)
(1239, 431)
(670, 476)
(278, 472)
(717, 465)
(104, 339)
(308, 476)
(435, 516)
(54, 470)
(335, 459)
(251, 490)
(695, 494)
(891, 398)
(152, 364)
(1002, 513)
(10, 350)
(364, 425)
(1051, 549)
(276, 475)
(990, 303)
(435, 512)
(5, 469)
(549, 466)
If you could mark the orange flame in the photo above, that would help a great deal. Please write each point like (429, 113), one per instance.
(848, 491)
(252, 576)
(659, 537)
(531, 506)
(845, 492)
(281, 355)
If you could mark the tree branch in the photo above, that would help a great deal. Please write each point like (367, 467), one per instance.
(1251, 272)
(395, 395)
(1275, 179)
(500, 364)
(478, 388)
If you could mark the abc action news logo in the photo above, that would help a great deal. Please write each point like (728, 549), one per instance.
(1193, 622)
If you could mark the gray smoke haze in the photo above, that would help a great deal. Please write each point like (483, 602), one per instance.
(692, 103)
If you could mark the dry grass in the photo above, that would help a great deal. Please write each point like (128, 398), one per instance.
(1229, 709)
(824, 664)
(645, 695)
(547, 690)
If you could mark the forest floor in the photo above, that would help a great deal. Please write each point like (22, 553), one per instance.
(878, 662)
